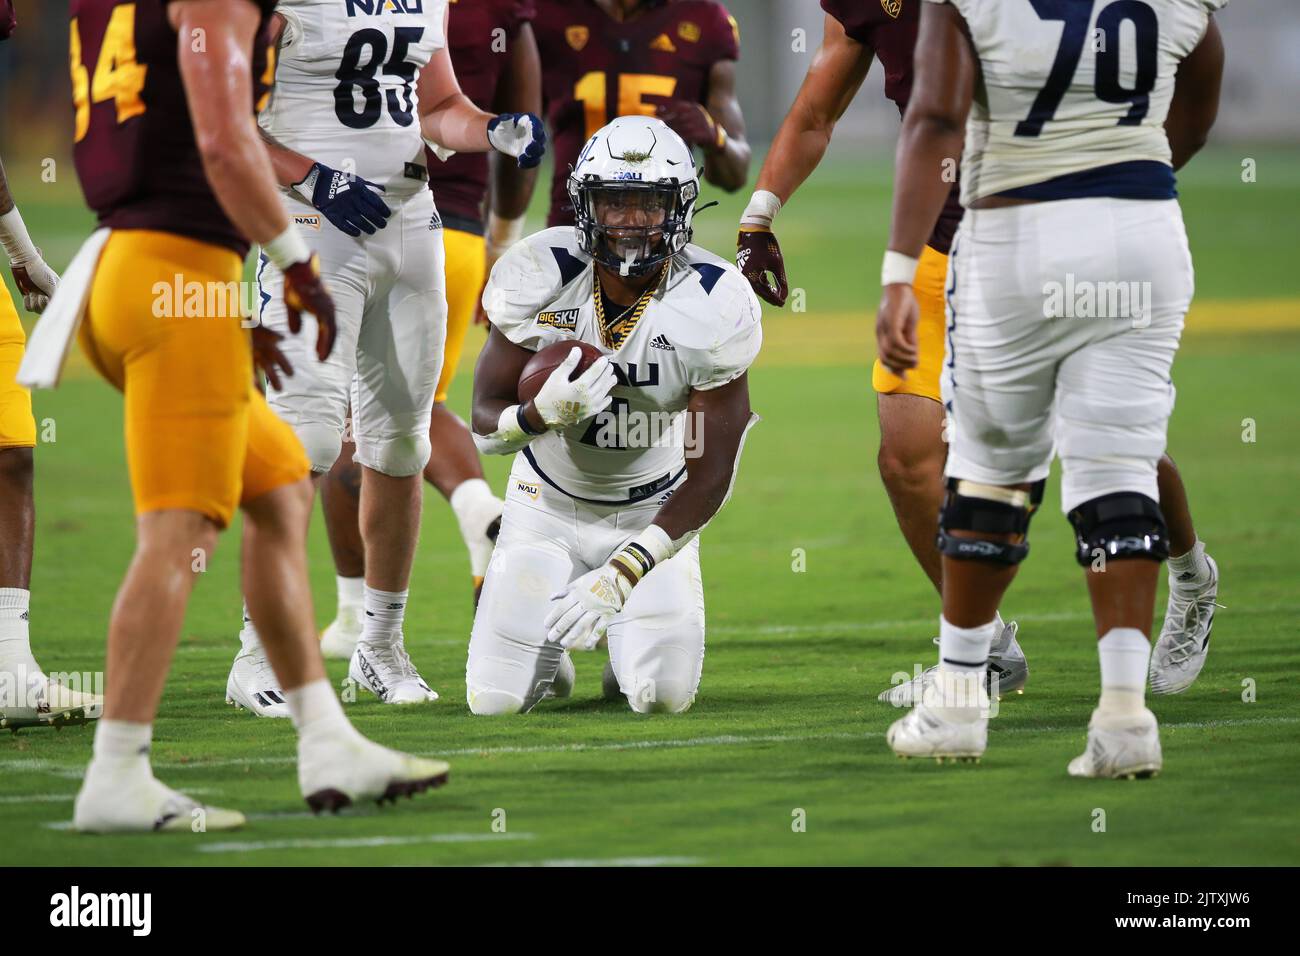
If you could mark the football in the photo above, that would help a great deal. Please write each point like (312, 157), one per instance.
(541, 365)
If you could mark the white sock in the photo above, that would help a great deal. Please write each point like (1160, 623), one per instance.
(314, 706)
(1190, 570)
(248, 634)
(122, 741)
(1125, 654)
(351, 591)
(475, 506)
(15, 643)
(384, 611)
(963, 659)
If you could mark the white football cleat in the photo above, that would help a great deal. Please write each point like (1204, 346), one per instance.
(253, 686)
(27, 691)
(565, 677)
(1126, 745)
(122, 797)
(384, 668)
(339, 639)
(923, 733)
(1184, 642)
(338, 767)
(1007, 672)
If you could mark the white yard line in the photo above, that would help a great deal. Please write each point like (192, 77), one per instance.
(721, 740)
(353, 843)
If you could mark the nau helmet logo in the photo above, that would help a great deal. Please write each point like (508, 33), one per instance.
(563, 319)
(577, 35)
(892, 7)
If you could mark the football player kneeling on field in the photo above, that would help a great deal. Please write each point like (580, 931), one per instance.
(621, 464)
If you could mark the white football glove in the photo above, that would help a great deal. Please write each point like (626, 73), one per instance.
(36, 280)
(580, 614)
(520, 135)
(560, 402)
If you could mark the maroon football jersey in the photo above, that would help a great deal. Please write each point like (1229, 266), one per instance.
(888, 28)
(460, 184)
(135, 151)
(596, 68)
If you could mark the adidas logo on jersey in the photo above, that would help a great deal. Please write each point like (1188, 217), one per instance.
(661, 342)
(435, 221)
(664, 43)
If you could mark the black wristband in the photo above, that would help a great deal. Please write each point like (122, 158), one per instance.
(522, 419)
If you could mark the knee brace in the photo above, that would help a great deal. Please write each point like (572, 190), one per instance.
(986, 510)
(322, 444)
(1120, 525)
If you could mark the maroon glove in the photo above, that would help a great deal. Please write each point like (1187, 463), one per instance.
(757, 254)
(8, 19)
(305, 292)
(692, 122)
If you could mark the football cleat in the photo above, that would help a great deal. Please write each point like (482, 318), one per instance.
(253, 686)
(338, 767)
(339, 639)
(119, 798)
(923, 733)
(43, 702)
(1184, 640)
(1120, 746)
(565, 677)
(384, 668)
(1008, 671)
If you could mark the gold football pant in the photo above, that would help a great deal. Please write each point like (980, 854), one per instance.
(931, 274)
(199, 435)
(466, 270)
(17, 427)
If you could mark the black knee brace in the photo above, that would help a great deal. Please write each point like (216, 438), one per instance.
(985, 516)
(1120, 525)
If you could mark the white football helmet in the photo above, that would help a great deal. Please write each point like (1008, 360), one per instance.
(634, 189)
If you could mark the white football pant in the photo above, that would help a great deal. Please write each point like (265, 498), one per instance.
(1090, 384)
(656, 644)
(389, 293)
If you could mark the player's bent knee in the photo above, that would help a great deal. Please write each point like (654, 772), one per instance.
(1122, 525)
(322, 444)
(989, 516)
(396, 457)
(492, 702)
(666, 698)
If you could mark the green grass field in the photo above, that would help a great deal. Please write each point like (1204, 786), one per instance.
(786, 725)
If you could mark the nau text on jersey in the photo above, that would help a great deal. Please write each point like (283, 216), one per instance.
(562, 319)
(374, 8)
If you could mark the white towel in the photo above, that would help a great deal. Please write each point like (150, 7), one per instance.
(48, 347)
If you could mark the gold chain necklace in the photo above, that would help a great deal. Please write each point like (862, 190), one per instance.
(614, 332)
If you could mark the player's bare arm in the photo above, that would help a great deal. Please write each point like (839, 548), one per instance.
(496, 377)
(1196, 97)
(219, 89)
(723, 415)
(35, 279)
(449, 120)
(930, 144)
(837, 71)
(519, 90)
(726, 165)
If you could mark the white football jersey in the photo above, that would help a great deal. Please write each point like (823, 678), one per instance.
(1071, 86)
(702, 329)
(345, 81)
